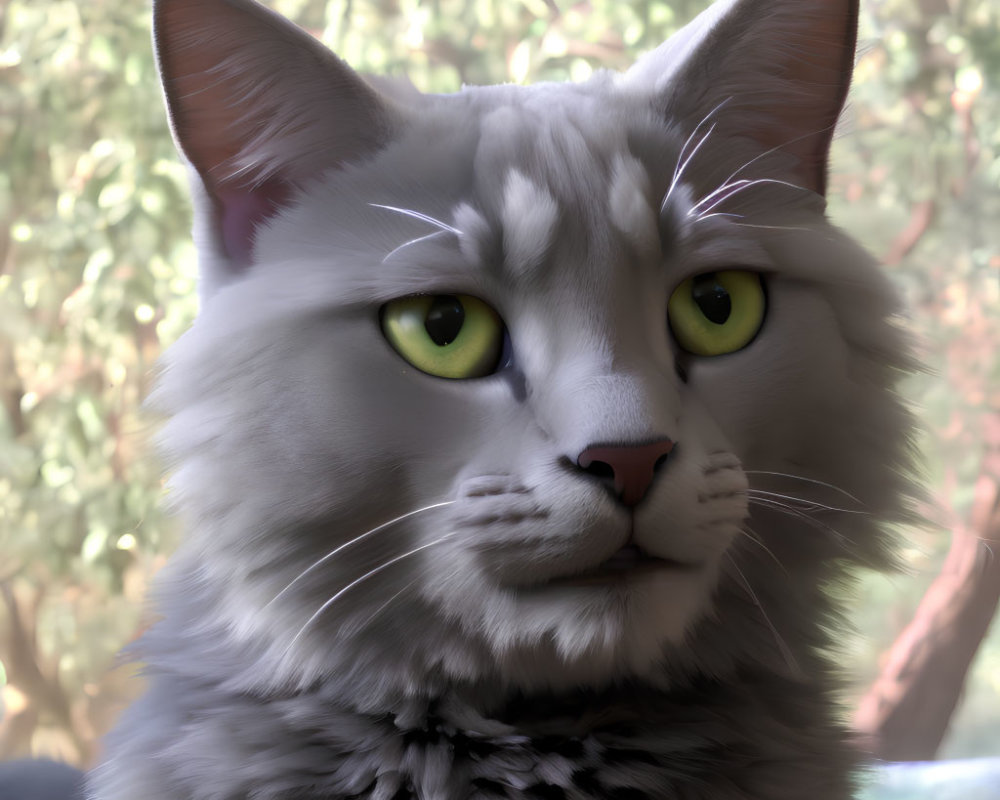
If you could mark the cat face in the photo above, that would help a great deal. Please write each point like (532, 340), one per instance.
(542, 386)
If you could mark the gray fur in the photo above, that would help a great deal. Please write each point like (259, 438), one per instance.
(373, 599)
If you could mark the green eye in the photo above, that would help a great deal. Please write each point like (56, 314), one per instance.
(447, 335)
(718, 312)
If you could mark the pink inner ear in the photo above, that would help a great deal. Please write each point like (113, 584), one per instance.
(242, 212)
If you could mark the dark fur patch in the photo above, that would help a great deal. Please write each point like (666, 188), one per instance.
(545, 791)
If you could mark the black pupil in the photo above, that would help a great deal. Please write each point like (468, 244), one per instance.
(712, 298)
(444, 319)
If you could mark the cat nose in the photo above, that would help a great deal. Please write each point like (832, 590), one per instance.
(630, 467)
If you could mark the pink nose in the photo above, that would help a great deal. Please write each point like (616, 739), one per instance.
(632, 466)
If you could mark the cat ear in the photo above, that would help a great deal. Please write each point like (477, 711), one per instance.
(256, 106)
(774, 71)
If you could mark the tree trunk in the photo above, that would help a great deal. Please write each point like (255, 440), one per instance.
(905, 714)
(46, 700)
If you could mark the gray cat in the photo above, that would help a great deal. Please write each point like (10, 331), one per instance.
(523, 431)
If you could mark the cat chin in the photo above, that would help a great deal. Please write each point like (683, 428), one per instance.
(560, 637)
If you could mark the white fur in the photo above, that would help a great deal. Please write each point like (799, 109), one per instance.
(530, 216)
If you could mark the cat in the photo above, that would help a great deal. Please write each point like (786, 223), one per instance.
(523, 432)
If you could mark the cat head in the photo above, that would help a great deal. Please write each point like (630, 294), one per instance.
(539, 386)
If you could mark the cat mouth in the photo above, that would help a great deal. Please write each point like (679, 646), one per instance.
(628, 562)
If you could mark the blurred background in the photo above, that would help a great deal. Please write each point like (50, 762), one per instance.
(97, 275)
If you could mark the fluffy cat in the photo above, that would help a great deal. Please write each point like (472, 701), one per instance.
(523, 430)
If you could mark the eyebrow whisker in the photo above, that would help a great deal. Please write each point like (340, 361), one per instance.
(409, 212)
(419, 239)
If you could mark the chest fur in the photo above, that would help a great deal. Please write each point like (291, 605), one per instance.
(298, 749)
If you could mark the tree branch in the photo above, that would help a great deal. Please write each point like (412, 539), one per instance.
(921, 218)
(905, 714)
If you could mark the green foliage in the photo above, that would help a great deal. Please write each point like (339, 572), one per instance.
(95, 270)
(97, 275)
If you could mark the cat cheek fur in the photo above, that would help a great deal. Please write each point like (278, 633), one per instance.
(395, 586)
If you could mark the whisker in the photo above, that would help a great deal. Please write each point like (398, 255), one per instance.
(728, 182)
(842, 540)
(409, 212)
(774, 149)
(357, 581)
(770, 227)
(701, 217)
(386, 604)
(694, 133)
(741, 186)
(720, 188)
(845, 542)
(805, 480)
(798, 514)
(354, 541)
(783, 647)
(810, 505)
(754, 537)
(681, 159)
(412, 241)
(679, 170)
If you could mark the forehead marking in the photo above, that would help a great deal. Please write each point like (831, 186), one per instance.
(628, 203)
(529, 215)
(474, 232)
